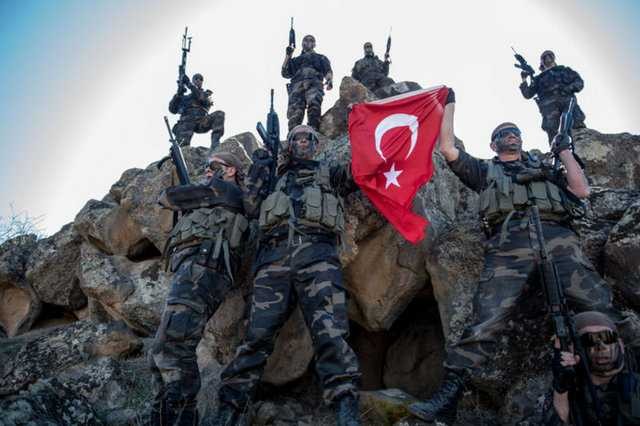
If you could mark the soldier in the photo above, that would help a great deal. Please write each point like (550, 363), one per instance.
(617, 386)
(194, 113)
(554, 87)
(371, 71)
(508, 185)
(297, 262)
(203, 248)
(306, 72)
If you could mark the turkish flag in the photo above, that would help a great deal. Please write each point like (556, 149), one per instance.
(392, 143)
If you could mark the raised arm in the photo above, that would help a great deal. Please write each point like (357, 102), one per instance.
(576, 180)
(447, 137)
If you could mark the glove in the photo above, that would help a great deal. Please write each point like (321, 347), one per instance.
(524, 74)
(182, 90)
(289, 50)
(564, 378)
(560, 143)
(185, 79)
(451, 97)
(261, 157)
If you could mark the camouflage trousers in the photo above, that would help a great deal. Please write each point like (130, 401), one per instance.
(552, 109)
(509, 271)
(188, 125)
(376, 81)
(196, 293)
(305, 94)
(308, 274)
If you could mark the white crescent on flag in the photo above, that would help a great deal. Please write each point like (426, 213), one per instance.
(393, 121)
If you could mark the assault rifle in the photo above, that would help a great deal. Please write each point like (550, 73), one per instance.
(564, 131)
(562, 319)
(522, 64)
(176, 157)
(386, 53)
(292, 36)
(186, 48)
(271, 139)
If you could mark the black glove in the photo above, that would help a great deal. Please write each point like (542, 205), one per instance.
(185, 79)
(560, 143)
(524, 74)
(182, 90)
(289, 50)
(261, 157)
(564, 378)
(451, 97)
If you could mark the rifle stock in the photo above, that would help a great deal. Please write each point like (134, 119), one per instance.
(177, 158)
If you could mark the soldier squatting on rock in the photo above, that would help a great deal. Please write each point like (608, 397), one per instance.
(297, 263)
(204, 248)
(505, 197)
(554, 88)
(194, 113)
(616, 384)
(371, 71)
(306, 72)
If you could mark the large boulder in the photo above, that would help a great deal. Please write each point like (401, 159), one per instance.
(133, 292)
(52, 270)
(334, 122)
(19, 303)
(622, 255)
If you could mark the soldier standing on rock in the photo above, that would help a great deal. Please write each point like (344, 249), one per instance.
(554, 87)
(204, 249)
(508, 185)
(194, 113)
(371, 71)
(297, 263)
(306, 72)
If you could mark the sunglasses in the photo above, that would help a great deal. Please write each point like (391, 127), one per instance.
(302, 136)
(606, 337)
(503, 133)
(215, 165)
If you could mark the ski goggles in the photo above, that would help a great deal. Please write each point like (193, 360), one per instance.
(605, 337)
(503, 133)
(299, 136)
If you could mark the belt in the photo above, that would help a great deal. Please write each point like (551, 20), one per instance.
(297, 239)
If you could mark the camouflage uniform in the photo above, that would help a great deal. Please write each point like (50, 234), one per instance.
(297, 262)
(554, 88)
(306, 72)
(619, 402)
(509, 266)
(194, 116)
(372, 72)
(203, 247)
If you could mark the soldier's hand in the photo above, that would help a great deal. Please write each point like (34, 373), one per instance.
(329, 84)
(563, 368)
(523, 75)
(451, 97)
(289, 50)
(560, 143)
(185, 79)
(261, 157)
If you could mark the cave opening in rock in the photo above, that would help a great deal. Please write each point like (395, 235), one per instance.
(53, 315)
(143, 250)
(409, 356)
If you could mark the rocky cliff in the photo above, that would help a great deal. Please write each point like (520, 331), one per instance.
(78, 309)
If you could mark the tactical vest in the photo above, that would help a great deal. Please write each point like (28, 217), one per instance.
(308, 66)
(503, 196)
(321, 208)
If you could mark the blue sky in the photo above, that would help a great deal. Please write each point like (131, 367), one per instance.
(85, 83)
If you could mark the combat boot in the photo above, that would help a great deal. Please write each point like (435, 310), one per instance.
(228, 415)
(215, 141)
(443, 405)
(348, 413)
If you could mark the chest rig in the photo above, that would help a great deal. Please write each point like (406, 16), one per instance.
(513, 191)
(303, 198)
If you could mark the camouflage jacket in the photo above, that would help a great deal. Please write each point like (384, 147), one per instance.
(369, 68)
(556, 83)
(196, 104)
(307, 65)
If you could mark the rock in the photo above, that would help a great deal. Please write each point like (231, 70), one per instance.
(242, 145)
(397, 89)
(334, 122)
(224, 331)
(610, 159)
(133, 292)
(52, 270)
(379, 298)
(622, 255)
(292, 353)
(19, 303)
(523, 403)
(48, 402)
(385, 407)
(59, 349)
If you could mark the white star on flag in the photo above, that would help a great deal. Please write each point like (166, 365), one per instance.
(392, 176)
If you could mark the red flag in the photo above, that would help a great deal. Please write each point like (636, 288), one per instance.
(392, 143)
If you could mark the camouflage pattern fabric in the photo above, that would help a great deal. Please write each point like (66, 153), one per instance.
(305, 95)
(554, 89)
(372, 72)
(194, 116)
(197, 290)
(509, 269)
(308, 274)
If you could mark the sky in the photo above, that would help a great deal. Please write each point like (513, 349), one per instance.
(86, 83)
